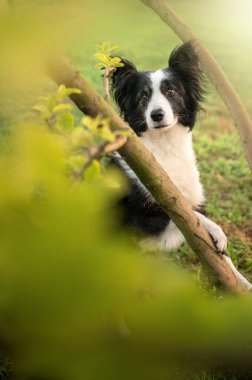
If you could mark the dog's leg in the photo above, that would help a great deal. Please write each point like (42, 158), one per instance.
(237, 273)
(140, 210)
(220, 240)
(215, 231)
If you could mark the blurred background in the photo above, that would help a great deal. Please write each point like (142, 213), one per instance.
(77, 300)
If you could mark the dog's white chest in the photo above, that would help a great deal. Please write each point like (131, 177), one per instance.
(173, 150)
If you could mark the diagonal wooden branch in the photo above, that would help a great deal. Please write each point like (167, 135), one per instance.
(152, 175)
(217, 76)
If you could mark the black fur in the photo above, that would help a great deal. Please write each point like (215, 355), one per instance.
(187, 70)
(127, 80)
(139, 210)
(143, 216)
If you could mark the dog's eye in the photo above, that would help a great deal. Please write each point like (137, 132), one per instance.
(143, 98)
(170, 92)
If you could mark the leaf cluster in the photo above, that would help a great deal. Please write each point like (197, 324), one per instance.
(104, 56)
(86, 139)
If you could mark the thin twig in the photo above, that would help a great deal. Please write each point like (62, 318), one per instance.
(106, 85)
(94, 153)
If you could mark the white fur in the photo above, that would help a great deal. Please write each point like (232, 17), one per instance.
(173, 150)
(159, 101)
(170, 239)
(215, 231)
(237, 274)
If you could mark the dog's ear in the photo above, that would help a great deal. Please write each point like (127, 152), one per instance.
(121, 82)
(185, 63)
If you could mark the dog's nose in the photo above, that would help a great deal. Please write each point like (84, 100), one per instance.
(157, 115)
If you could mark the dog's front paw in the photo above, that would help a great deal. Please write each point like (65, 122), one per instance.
(218, 237)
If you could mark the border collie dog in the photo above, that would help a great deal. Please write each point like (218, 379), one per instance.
(161, 107)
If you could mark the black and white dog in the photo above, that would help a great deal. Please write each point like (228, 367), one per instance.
(161, 107)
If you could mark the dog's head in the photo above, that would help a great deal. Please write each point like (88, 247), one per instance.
(163, 98)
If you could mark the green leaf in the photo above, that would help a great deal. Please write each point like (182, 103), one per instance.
(72, 90)
(64, 91)
(118, 64)
(51, 103)
(116, 60)
(62, 107)
(81, 137)
(40, 108)
(61, 91)
(105, 49)
(43, 111)
(106, 134)
(102, 57)
(114, 47)
(65, 122)
(105, 46)
(93, 171)
(76, 162)
(100, 66)
(91, 123)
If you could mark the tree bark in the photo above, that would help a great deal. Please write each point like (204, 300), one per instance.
(215, 73)
(152, 175)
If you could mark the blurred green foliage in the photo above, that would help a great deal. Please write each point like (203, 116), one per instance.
(78, 300)
(77, 297)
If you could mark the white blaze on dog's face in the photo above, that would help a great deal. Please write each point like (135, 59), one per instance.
(159, 112)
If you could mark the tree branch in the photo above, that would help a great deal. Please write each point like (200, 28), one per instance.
(153, 176)
(215, 73)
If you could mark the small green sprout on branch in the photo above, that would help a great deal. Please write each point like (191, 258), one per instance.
(108, 63)
(56, 112)
(88, 141)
